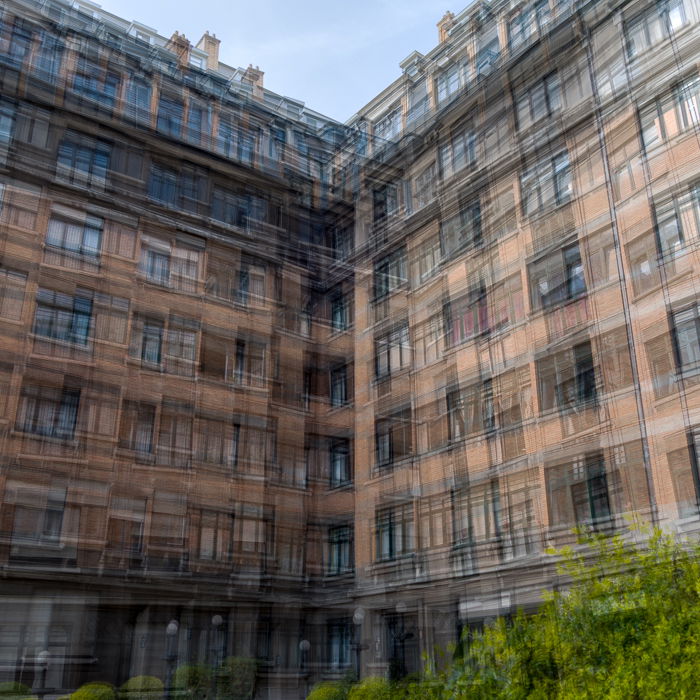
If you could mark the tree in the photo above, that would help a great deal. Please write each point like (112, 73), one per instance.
(626, 625)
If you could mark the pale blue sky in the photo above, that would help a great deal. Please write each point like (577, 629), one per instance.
(335, 56)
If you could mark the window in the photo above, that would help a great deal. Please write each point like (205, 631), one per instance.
(171, 263)
(418, 100)
(340, 312)
(424, 187)
(394, 532)
(125, 531)
(390, 273)
(683, 467)
(62, 316)
(686, 326)
(478, 514)
(389, 127)
(671, 112)
(538, 101)
(466, 317)
(461, 230)
(96, 83)
(642, 255)
(340, 555)
(339, 386)
(237, 209)
(339, 455)
(341, 243)
(678, 221)
(181, 345)
(74, 232)
(17, 48)
(241, 360)
(656, 23)
(459, 152)
(339, 644)
(198, 121)
(215, 536)
(147, 340)
(450, 80)
(226, 139)
(155, 265)
(137, 426)
(392, 351)
(12, 290)
(163, 185)
(527, 22)
(82, 160)
(169, 119)
(427, 258)
(578, 493)
(557, 278)
(487, 55)
(394, 437)
(546, 184)
(174, 434)
(507, 305)
(138, 100)
(567, 379)
(385, 202)
(48, 411)
(216, 441)
(241, 282)
(687, 96)
(39, 518)
(7, 120)
(435, 521)
(470, 410)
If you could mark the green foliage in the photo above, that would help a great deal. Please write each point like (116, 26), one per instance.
(235, 678)
(94, 691)
(142, 688)
(12, 689)
(627, 626)
(371, 689)
(328, 691)
(193, 682)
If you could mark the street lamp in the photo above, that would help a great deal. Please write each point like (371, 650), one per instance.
(170, 654)
(42, 664)
(358, 618)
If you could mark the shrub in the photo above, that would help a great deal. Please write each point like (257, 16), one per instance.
(328, 691)
(371, 689)
(142, 688)
(12, 688)
(94, 691)
(193, 682)
(235, 678)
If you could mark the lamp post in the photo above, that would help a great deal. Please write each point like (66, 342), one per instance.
(41, 663)
(358, 618)
(170, 654)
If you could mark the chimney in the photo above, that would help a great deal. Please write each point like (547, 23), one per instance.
(444, 26)
(210, 45)
(181, 47)
(254, 77)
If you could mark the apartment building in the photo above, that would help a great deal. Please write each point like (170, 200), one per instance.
(323, 394)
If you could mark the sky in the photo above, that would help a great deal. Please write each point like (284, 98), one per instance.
(334, 56)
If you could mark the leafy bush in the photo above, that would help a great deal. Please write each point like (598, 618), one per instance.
(12, 688)
(142, 688)
(371, 689)
(328, 691)
(627, 626)
(235, 678)
(94, 691)
(193, 682)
